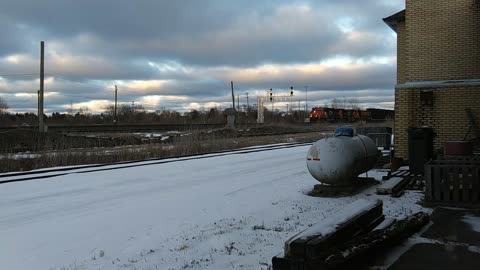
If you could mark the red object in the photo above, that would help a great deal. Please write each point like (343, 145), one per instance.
(459, 148)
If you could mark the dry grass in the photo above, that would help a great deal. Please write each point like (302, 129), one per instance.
(52, 150)
(195, 143)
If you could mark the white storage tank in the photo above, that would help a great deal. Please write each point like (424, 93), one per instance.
(340, 159)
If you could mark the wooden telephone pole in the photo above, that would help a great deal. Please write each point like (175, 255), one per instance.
(233, 96)
(41, 123)
(115, 109)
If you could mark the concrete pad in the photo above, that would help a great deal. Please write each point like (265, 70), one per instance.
(437, 256)
(454, 225)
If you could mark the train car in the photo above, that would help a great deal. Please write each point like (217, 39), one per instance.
(349, 115)
(380, 114)
(318, 114)
(334, 115)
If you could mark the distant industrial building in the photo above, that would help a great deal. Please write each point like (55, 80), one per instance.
(438, 70)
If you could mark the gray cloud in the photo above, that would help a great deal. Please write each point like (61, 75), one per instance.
(194, 47)
(207, 32)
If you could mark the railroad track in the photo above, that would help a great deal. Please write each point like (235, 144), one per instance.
(127, 127)
(123, 127)
(50, 173)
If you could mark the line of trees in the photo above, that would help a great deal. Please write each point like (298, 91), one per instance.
(127, 114)
(344, 103)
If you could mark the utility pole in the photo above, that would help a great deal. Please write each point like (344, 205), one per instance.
(133, 106)
(233, 96)
(299, 109)
(248, 107)
(306, 99)
(41, 124)
(272, 103)
(115, 120)
(38, 104)
(238, 102)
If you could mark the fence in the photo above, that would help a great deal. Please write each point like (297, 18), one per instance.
(453, 180)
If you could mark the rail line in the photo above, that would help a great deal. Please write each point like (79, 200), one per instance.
(129, 127)
(50, 173)
(122, 127)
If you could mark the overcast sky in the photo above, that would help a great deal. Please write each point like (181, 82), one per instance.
(182, 54)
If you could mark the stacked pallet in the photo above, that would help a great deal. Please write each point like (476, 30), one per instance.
(308, 249)
(358, 229)
(395, 183)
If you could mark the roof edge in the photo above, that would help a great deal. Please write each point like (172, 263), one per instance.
(393, 20)
(440, 84)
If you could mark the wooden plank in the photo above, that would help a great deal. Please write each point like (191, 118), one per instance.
(437, 183)
(428, 183)
(446, 183)
(327, 232)
(318, 247)
(280, 262)
(457, 177)
(388, 186)
(375, 241)
(475, 193)
(467, 180)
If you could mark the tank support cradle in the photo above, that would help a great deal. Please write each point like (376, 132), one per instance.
(359, 184)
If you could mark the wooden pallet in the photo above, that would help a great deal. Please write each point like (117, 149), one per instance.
(309, 248)
(395, 183)
(454, 182)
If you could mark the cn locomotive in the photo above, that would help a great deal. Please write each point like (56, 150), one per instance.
(318, 114)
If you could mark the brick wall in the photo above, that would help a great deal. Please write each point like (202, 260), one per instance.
(443, 40)
(446, 116)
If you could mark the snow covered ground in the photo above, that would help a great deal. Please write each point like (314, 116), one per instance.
(224, 212)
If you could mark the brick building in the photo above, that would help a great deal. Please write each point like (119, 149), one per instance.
(438, 69)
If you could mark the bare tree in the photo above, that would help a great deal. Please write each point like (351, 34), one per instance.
(84, 110)
(109, 110)
(3, 105)
(354, 104)
(335, 103)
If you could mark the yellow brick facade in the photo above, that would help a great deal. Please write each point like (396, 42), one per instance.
(437, 41)
(447, 116)
(443, 40)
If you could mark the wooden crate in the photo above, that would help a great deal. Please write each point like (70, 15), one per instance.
(453, 181)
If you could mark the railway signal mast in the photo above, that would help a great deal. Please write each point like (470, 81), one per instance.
(273, 98)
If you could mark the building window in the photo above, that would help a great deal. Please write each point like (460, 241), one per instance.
(426, 97)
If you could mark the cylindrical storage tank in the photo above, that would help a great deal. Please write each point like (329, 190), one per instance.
(339, 160)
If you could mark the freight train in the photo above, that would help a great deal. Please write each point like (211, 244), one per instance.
(318, 114)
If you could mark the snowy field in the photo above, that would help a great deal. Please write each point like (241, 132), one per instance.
(225, 212)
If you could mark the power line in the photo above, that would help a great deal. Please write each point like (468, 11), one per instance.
(21, 102)
(104, 87)
(75, 81)
(19, 74)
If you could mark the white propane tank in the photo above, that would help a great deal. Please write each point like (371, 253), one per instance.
(340, 159)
